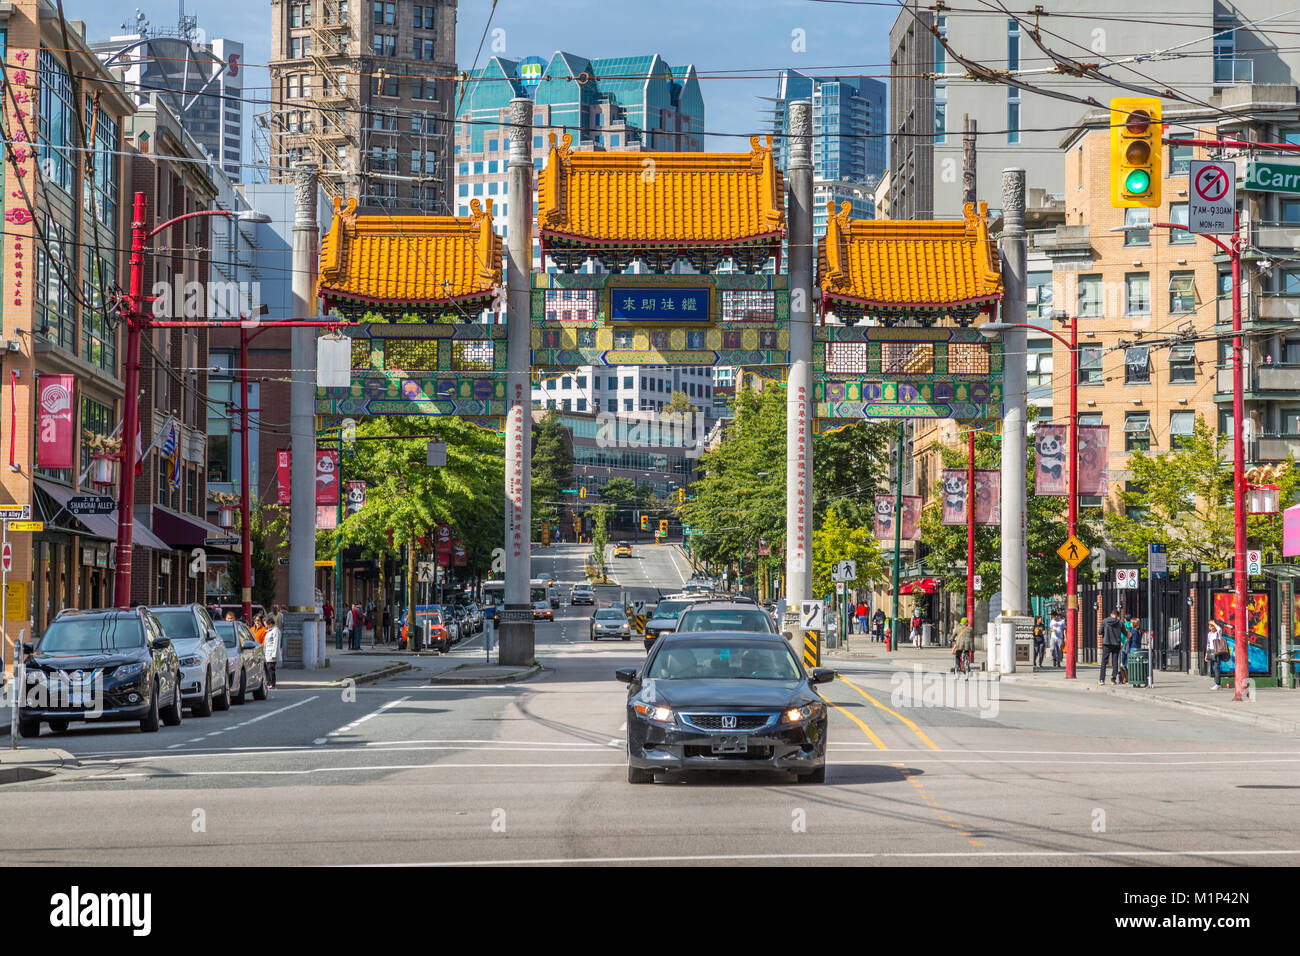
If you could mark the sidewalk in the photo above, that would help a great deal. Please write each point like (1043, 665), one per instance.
(361, 667)
(479, 672)
(33, 763)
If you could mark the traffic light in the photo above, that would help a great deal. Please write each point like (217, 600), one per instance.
(645, 522)
(1135, 152)
(681, 496)
(663, 528)
(582, 492)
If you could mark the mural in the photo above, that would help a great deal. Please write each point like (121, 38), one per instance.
(1225, 604)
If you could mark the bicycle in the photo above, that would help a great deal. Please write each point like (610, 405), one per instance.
(965, 661)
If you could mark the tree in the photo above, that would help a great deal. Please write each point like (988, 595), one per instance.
(266, 523)
(552, 466)
(1182, 499)
(851, 466)
(599, 537)
(838, 540)
(679, 403)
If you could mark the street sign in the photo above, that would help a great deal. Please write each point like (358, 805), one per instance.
(435, 454)
(978, 582)
(1157, 564)
(839, 587)
(91, 505)
(1272, 176)
(1073, 551)
(638, 607)
(811, 615)
(7, 557)
(223, 543)
(844, 571)
(27, 526)
(324, 564)
(16, 514)
(1212, 196)
(1126, 578)
(1254, 563)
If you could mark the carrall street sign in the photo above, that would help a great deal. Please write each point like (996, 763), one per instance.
(1272, 176)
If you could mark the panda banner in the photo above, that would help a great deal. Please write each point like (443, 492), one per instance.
(885, 518)
(988, 496)
(356, 496)
(1051, 461)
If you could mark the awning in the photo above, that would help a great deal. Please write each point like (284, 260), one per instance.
(923, 586)
(103, 526)
(185, 531)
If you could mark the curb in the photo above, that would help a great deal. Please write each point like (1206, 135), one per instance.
(21, 773)
(366, 677)
(447, 678)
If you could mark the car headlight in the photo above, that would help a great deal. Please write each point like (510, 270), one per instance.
(662, 715)
(129, 670)
(189, 662)
(796, 714)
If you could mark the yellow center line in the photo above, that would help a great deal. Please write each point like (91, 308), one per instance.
(865, 729)
(910, 724)
(929, 802)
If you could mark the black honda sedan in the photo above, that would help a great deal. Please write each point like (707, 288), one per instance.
(724, 701)
(101, 665)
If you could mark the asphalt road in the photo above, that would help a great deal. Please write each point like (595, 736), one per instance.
(407, 772)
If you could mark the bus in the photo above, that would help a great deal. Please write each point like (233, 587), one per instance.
(494, 596)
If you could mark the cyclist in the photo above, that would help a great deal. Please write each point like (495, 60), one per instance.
(963, 646)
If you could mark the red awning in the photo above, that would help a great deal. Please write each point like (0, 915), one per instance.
(924, 585)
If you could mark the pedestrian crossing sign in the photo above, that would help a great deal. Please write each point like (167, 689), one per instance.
(1073, 551)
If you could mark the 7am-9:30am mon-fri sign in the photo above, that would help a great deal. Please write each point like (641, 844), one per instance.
(1212, 198)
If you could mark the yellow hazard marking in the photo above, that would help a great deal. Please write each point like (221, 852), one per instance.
(910, 724)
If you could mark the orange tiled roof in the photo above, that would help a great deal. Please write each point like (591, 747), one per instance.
(646, 199)
(415, 260)
(904, 263)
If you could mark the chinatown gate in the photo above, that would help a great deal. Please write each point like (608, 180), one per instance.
(683, 216)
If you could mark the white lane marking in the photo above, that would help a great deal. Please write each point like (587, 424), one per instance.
(311, 770)
(360, 720)
(623, 725)
(614, 742)
(479, 740)
(881, 855)
(218, 733)
(174, 746)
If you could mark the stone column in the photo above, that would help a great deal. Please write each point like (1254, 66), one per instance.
(1015, 580)
(517, 619)
(798, 442)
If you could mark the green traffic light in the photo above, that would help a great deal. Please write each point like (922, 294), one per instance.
(1138, 181)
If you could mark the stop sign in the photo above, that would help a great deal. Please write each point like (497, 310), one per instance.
(7, 557)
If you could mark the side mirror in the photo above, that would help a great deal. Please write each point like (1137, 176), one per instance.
(250, 645)
(28, 647)
(626, 674)
(160, 643)
(822, 675)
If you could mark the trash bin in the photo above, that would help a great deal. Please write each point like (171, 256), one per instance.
(1139, 668)
(927, 635)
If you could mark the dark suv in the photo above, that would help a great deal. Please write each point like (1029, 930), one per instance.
(101, 665)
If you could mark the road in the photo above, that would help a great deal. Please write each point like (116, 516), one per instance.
(413, 773)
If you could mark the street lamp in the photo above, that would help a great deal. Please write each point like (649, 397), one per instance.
(992, 330)
(1232, 249)
(136, 319)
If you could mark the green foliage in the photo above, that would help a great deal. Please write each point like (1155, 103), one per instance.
(679, 403)
(1182, 498)
(851, 465)
(599, 536)
(266, 523)
(838, 540)
(552, 467)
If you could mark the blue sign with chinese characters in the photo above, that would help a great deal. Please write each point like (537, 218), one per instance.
(660, 306)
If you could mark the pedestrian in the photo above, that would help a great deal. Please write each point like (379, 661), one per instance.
(916, 629)
(329, 616)
(259, 629)
(230, 615)
(963, 643)
(277, 616)
(1112, 639)
(387, 621)
(878, 625)
(1056, 629)
(862, 617)
(1040, 642)
(354, 623)
(271, 651)
(1216, 651)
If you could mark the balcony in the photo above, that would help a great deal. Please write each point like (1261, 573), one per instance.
(1276, 447)
(1233, 72)
(1262, 381)
(1277, 235)
(1062, 239)
(1277, 307)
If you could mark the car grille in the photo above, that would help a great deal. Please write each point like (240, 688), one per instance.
(714, 721)
(753, 753)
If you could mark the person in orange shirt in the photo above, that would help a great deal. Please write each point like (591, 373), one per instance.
(259, 629)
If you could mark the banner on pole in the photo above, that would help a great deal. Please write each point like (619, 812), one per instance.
(442, 537)
(356, 496)
(459, 553)
(1094, 460)
(282, 475)
(327, 517)
(953, 496)
(327, 476)
(988, 496)
(56, 446)
(1051, 460)
(885, 518)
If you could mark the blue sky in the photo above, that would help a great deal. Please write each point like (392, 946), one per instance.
(754, 37)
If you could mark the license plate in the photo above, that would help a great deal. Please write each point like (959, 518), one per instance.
(730, 745)
(78, 698)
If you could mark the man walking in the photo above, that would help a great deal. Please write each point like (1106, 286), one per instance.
(1112, 639)
(271, 649)
(353, 625)
(1056, 627)
(862, 617)
(878, 625)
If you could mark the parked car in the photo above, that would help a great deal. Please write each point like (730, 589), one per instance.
(610, 622)
(461, 618)
(101, 665)
(205, 680)
(582, 594)
(246, 660)
(451, 622)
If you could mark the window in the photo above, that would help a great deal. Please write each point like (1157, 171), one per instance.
(1134, 512)
(57, 122)
(1137, 431)
(1038, 378)
(1137, 365)
(1182, 292)
(1182, 425)
(1090, 365)
(1013, 115)
(1291, 351)
(1178, 214)
(1038, 288)
(1182, 364)
(385, 14)
(1291, 421)
(1137, 217)
(1013, 44)
(1180, 158)
(299, 47)
(1289, 210)
(384, 45)
(628, 382)
(1137, 288)
(1089, 305)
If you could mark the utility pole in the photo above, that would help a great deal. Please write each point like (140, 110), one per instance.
(968, 190)
(1015, 590)
(517, 617)
(798, 432)
(300, 623)
(895, 634)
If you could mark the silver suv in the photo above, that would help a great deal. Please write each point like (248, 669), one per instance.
(205, 671)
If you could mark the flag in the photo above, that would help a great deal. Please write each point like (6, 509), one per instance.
(56, 443)
(171, 455)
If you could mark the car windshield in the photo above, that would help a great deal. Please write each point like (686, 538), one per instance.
(179, 624)
(724, 660)
(725, 619)
(671, 610)
(610, 614)
(95, 634)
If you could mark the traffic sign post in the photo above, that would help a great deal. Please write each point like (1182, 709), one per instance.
(1126, 579)
(1212, 196)
(812, 621)
(1254, 562)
